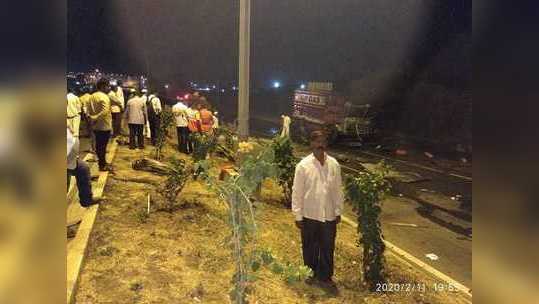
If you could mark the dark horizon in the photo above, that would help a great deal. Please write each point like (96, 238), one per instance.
(290, 42)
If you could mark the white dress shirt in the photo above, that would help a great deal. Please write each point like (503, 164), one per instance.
(317, 191)
(180, 112)
(74, 108)
(156, 103)
(72, 151)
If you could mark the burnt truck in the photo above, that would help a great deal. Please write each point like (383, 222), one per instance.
(319, 106)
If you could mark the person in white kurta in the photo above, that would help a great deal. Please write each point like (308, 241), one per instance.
(317, 204)
(74, 109)
(286, 126)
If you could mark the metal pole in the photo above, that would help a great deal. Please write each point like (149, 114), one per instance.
(243, 100)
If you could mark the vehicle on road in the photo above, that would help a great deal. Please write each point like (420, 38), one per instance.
(319, 106)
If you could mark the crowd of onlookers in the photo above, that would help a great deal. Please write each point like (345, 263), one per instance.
(102, 112)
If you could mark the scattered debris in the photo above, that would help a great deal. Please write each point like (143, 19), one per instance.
(429, 155)
(432, 256)
(404, 225)
(148, 203)
(401, 152)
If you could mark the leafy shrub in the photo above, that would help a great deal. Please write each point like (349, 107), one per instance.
(286, 163)
(366, 192)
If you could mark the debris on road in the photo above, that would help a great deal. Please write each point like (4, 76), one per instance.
(401, 152)
(432, 256)
(404, 225)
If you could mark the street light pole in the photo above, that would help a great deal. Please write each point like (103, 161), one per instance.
(243, 100)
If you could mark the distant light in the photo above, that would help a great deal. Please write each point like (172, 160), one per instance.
(276, 84)
(97, 70)
(186, 96)
(78, 82)
(166, 86)
(302, 86)
(195, 85)
(222, 90)
(214, 86)
(234, 88)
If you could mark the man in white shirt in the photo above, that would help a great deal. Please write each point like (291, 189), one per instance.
(154, 115)
(117, 96)
(74, 109)
(180, 113)
(317, 203)
(79, 169)
(136, 116)
(286, 126)
(215, 121)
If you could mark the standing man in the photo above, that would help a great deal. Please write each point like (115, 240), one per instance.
(317, 203)
(206, 119)
(74, 110)
(193, 126)
(136, 115)
(179, 111)
(215, 121)
(286, 126)
(116, 95)
(154, 115)
(101, 117)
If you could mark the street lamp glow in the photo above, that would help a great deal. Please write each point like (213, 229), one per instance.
(276, 84)
(302, 86)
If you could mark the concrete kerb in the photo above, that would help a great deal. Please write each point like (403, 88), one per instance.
(408, 259)
(77, 254)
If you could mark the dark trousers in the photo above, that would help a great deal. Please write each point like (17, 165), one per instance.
(136, 136)
(101, 141)
(116, 124)
(154, 129)
(183, 134)
(318, 245)
(190, 145)
(84, 184)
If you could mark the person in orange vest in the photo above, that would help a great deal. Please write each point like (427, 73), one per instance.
(206, 119)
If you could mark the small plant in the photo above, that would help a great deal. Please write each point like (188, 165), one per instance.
(167, 120)
(286, 162)
(177, 178)
(235, 192)
(365, 192)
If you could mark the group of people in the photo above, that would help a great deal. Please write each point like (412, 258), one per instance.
(192, 116)
(317, 195)
(143, 116)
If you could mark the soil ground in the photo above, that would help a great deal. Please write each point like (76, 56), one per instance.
(183, 256)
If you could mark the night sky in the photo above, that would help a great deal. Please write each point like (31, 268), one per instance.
(179, 40)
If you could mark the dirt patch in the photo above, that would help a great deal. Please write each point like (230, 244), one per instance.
(183, 256)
